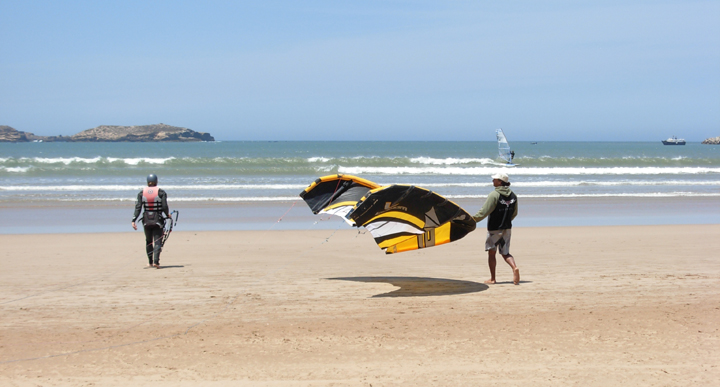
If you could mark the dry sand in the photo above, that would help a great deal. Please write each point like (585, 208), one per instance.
(597, 306)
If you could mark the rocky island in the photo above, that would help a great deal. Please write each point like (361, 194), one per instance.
(109, 133)
(8, 134)
(712, 141)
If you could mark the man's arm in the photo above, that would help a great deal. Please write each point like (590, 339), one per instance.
(516, 210)
(488, 207)
(138, 207)
(163, 203)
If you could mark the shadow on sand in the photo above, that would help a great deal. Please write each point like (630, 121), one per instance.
(421, 286)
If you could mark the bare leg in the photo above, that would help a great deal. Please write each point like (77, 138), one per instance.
(516, 272)
(491, 263)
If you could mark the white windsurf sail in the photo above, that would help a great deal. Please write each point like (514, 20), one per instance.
(503, 146)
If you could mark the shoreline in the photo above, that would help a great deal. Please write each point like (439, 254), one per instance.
(29, 217)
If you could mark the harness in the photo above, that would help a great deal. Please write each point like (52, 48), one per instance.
(501, 217)
(152, 204)
(152, 214)
(151, 200)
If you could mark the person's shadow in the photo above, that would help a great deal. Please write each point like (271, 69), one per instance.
(421, 286)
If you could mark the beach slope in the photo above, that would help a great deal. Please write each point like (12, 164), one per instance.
(597, 306)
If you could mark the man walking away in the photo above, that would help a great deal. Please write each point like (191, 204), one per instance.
(153, 201)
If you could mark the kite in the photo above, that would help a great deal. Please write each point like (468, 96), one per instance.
(336, 194)
(399, 217)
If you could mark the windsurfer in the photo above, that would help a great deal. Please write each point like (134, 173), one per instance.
(500, 208)
(153, 201)
(504, 150)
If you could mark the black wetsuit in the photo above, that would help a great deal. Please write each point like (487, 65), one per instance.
(153, 228)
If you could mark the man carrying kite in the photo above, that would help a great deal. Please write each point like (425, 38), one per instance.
(500, 208)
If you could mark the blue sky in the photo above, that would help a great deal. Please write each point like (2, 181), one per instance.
(365, 70)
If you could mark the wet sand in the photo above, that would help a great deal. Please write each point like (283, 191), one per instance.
(50, 217)
(596, 306)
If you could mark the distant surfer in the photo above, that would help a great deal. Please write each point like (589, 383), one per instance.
(512, 155)
(153, 201)
(500, 208)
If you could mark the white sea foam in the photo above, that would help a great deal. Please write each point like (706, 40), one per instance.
(90, 188)
(15, 169)
(521, 171)
(450, 161)
(374, 157)
(236, 186)
(602, 195)
(326, 169)
(191, 199)
(64, 160)
(79, 188)
(138, 160)
(242, 199)
(318, 160)
(91, 160)
(541, 184)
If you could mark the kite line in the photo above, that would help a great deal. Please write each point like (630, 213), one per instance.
(169, 228)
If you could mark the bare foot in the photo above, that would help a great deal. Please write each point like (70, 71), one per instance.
(490, 282)
(157, 265)
(516, 276)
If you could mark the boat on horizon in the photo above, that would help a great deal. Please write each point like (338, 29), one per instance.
(673, 141)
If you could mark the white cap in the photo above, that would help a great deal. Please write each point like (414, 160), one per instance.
(501, 176)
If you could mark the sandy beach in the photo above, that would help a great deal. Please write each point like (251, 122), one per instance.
(597, 306)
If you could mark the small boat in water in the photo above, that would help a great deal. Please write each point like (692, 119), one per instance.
(673, 141)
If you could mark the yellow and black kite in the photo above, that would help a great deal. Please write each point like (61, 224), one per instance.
(336, 194)
(399, 217)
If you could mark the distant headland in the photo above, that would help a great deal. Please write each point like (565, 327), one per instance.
(712, 141)
(110, 133)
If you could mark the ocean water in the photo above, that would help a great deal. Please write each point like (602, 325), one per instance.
(52, 175)
(272, 171)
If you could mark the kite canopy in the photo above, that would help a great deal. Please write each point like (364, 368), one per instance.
(404, 217)
(336, 194)
(399, 217)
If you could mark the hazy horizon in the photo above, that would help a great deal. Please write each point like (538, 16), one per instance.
(377, 70)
